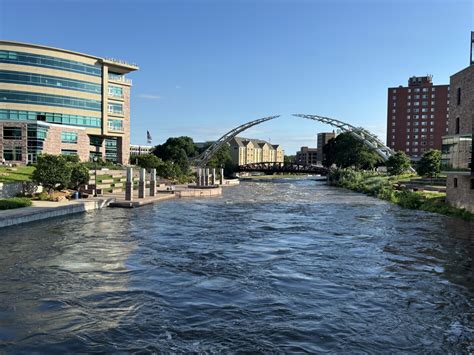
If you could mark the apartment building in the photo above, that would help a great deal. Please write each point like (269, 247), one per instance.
(457, 153)
(417, 116)
(323, 138)
(61, 102)
(307, 156)
(248, 151)
(140, 149)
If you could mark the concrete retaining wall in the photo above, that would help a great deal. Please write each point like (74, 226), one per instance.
(216, 191)
(12, 189)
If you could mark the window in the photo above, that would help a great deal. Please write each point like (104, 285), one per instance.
(458, 96)
(13, 154)
(24, 97)
(457, 128)
(68, 152)
(115, 108)
(393, 124)
(432, 96)
(69, 137)
(115, 125)
(7, 76)
(424, 103)
(393, 110)
(417, 97)
(408, 117)
(37, 60)
(455, 182)
(424, 96)
(12, 133)
(115, 91)
(416, 103)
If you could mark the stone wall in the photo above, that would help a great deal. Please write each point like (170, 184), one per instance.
(461, 196)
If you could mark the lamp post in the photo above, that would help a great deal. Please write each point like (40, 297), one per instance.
(95, 175)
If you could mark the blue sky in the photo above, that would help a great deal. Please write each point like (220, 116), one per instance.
(208, 66)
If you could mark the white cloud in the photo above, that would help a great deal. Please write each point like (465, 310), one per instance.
(150, 96)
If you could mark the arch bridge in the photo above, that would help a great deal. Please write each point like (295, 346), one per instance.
(361, 134)
(277, 167)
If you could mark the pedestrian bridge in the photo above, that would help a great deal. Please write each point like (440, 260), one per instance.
(274, 167)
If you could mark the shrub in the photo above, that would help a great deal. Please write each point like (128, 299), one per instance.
(411, 200)
(14, 202)
(398, 163)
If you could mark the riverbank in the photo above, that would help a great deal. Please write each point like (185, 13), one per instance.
(270, 177)
(391, 188)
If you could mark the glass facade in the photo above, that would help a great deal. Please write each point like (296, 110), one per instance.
(60, 118)
(456, 153)
(14, 77)
(111, 149)
(36, 137)
(68, 152)
(37, 60)
(69, 137)
(23, 97)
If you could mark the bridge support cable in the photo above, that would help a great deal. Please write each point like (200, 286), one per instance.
(204, 157)
(361, 134)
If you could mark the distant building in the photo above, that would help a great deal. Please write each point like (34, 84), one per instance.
(57, 101)
(323, 138)
(140, 149)
(417, 116)
(307, 156)
(248, 151)
(457, 152)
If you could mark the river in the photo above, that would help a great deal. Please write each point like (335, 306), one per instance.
(276, 266)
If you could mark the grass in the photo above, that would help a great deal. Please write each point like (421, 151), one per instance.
(16, 174)
(14, 202)
(382, 186)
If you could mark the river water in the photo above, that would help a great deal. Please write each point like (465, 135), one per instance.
(277, 266)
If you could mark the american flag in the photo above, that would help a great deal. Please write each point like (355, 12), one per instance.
(148, 137)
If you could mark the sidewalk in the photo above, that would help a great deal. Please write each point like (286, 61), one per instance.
(46, 209)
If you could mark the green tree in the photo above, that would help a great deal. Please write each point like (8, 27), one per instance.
(289, 159)
(398, 163)
(222, 158)
(177, 150)
(168, 170)
(53, 172)
(430, 164)
(146, 161)
(79, 175)
(346, 151)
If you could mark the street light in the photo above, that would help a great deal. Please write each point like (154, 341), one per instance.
(95, 175)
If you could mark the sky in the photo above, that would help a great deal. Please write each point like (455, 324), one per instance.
(207, 66)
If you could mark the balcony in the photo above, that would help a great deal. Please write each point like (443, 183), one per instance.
(120, 79)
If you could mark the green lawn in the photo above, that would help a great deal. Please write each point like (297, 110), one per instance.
(17, 174)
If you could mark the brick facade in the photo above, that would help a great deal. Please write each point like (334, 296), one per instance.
(53, 144)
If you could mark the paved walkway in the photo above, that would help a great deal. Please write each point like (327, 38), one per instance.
(119, 199)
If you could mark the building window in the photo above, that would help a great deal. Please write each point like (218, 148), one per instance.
(115, 125)
(115, 91)
(68, 152)
(12, 133)
(455, 182)
(14, 154)
(69, 137)
(458, 96)
(116, 108)
(457, 129)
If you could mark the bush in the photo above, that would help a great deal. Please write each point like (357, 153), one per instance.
(14, 202)
(398, 163)
(411, 200)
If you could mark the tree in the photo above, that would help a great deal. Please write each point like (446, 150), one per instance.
(289, 159)
(178, 150)
(345, 151)
(146, 161)
(53, 172)
(430, 164)
(398, 163)
(79, 176)
(223, 159)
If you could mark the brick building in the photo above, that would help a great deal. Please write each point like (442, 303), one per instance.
(323, 138)
(61, 102)
(307, 156)
(457, 152)
(417, 116)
